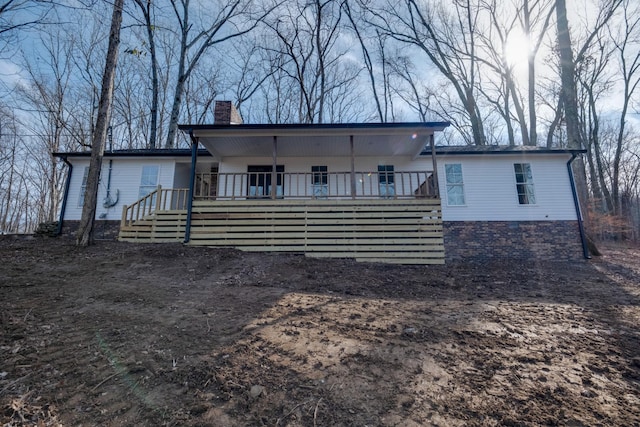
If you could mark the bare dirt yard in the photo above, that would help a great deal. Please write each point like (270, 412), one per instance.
(150, 335)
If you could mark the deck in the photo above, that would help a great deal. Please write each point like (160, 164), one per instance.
(403, 225)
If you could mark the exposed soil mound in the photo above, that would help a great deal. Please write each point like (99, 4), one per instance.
(123, 334)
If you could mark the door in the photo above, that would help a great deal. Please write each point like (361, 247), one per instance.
(259, 183)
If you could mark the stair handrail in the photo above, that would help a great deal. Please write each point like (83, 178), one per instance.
(144, 206)
(159, 199)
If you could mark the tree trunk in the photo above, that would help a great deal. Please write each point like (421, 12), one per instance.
(153, 126)
(84, 236)
(569, 97)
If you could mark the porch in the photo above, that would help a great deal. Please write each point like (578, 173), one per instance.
(398, 221)
(349, 190)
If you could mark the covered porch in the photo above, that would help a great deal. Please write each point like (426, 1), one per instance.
(357, 190)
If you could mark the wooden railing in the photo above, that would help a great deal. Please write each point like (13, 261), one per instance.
(317, 185)
(290, 185)
(158, 200)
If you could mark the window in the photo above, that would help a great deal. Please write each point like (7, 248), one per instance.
(386, 185)
(83, 187)
(320, 181)
(524, 184)
(455, 184)
(148, 180)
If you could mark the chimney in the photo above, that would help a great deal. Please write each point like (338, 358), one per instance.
(224, 113)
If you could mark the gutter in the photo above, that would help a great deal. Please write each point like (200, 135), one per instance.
(576, 202)
(66, 195)
(192, 183)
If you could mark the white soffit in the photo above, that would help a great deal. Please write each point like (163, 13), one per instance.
(333, 142)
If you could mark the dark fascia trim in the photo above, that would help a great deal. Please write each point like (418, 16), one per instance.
(315, 126)
(494, 149)
(158, 152)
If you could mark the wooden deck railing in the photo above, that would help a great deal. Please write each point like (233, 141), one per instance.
(158, 200)
(315, 185)
(290, 185)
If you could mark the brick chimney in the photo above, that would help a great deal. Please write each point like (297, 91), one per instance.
(224, 113)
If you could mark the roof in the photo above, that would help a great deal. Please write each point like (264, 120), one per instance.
(139, 152)
(315, 140)
(498, 149)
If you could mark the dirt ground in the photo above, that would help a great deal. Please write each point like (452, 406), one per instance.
(149, 335)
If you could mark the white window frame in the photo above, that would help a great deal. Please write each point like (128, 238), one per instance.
(386, 181)
(83, 186)
(450, 184)
(525, 188)
(320, 181)
(145, 187)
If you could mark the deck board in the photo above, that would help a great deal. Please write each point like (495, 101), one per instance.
(385, 230)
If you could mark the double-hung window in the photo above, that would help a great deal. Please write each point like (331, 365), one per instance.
(386, 183)
(148, 180)
(455, 184)
(83, 186)
(320, 182)
(524, 184)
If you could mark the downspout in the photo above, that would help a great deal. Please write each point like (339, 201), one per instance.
(576, 202)
(192, 183)
(66, 195)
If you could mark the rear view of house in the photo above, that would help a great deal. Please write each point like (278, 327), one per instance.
(373, 192)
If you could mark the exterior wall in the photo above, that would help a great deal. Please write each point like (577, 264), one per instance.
(483, 240)
(182, 173)
(334, 164)
(490, 188)
(125, 177)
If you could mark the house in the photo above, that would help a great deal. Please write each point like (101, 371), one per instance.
(373, 192)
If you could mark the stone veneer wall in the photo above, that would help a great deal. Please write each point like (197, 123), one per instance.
(102, 229)
(482, 240)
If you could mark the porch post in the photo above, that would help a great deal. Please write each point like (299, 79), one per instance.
(274, 174)
(353, 168)
(435, 165)
(192, 183)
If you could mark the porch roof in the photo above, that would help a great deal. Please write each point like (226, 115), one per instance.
(315, 140)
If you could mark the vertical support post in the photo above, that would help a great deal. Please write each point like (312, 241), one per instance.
(274, 174)
(123, 219)
(158, 197)
(192, 183)
(434, 162)
(353, 168)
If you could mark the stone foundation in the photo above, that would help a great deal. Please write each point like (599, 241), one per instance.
(102, 229)
(526, 240)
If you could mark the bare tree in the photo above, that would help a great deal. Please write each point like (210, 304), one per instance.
(84, 235)
(447, 35)
(232, 20)
(307, 56)
(627, 47)
(17, 15)
(145, 7)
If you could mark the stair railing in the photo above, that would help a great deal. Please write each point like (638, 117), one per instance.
(158, 200)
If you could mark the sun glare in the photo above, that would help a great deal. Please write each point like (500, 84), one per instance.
(516, 50)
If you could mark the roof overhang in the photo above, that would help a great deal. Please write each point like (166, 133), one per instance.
(169, 153)
(465, 150)
(315, 140)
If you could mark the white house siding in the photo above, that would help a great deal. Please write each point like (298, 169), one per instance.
(182, 173)
(490, 188)
(334, 164)
(125, 178)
